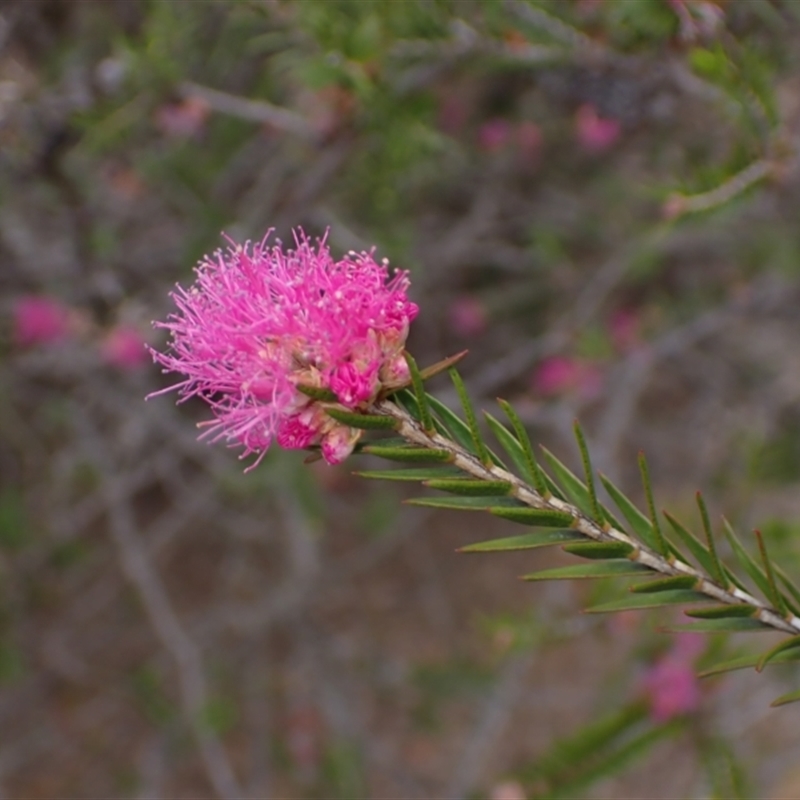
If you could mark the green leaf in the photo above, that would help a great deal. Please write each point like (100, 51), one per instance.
(642, 526)
(465, 503)
(698, 550)
(599, 549)
(731, 665)
(469, 413)
(596, 569)
(794, 603)
(787, 644)
(317, 393)
(465, 486)
(405, 399)
(362, 421)
(552, 488)
(747, 562)
(509, 444)
(613, 760)
(718, 571)
(731, 625)
(588, 471)
(641, 601)
(388, 441)
(575, 489)
(457, 428)
(665, 584)
(785, 699)
(408, 453)
(722, 612)
(571, 767)
(776, 598)
(527, 541)
(568, 759)
(644, 471)
(541, 517)
(412, 474)
(531, 465)
(748, 661)
(419, 392)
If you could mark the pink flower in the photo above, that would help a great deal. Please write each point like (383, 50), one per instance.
(40, 320)
(260, 320)
(672, 689)
(494, 134)
(595, 134)
(338, 442)
(555, 375)
(124, 347)
(467, 316)
(561, 374)
(671, 686)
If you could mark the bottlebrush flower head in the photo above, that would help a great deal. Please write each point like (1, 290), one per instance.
(261, 320)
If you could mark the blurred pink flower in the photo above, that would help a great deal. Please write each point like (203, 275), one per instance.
(494, 134)
(672, 688)
(124, 347)
(671, 685)
(40, 320)
(183, 119)
(561, 374)
(595, 134)
(467, 316)
(529, 141)
(260, 320)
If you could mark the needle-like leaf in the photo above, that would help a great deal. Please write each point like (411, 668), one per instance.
(658, 537)
(419, 392)
(472, 422)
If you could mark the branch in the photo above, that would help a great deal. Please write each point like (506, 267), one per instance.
(412, 431)
(252, 110)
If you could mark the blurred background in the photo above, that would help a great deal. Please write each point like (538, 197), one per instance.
(599, 198)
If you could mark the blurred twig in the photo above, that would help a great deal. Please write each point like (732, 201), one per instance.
(253, 110)
(173, 637)
(678, 204)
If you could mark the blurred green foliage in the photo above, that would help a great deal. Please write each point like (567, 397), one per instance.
(14, 525)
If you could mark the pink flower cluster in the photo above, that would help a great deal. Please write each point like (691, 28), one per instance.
(262, 320)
